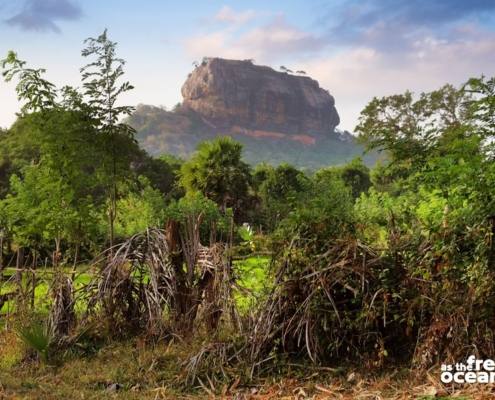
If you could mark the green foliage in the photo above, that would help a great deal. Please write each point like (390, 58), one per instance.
(408, 130)
(43, 206)
(280, 190)
(163, 174)
(374, 211)
(69, 151)
(283, 181)
(193, 204)
(101, 83)
(482, 107)
(37, 93)
(140, 209)
(37, 337)
(325, 213)
(102, 86)
(355, 175)
(53, 194)
(246, 233)
(253, 274)
(217, 171)
(260, 174)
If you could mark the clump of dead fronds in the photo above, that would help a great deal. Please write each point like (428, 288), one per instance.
(62, 317)
(411, 303)
(133, 282)
(323, 306)
(164, 279)
(215, 363)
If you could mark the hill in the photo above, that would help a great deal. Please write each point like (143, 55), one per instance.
(278, 116)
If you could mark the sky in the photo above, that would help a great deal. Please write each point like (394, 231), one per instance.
(355, 49)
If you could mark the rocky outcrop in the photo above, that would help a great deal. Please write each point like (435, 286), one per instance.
(233, 93)
(278, 117)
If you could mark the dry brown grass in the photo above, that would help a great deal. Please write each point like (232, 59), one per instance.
(153, 371)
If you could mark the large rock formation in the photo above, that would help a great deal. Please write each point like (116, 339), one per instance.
(277, 116)
(230, 93)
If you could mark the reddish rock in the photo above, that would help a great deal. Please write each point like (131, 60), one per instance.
(276, 116)
(229, 93)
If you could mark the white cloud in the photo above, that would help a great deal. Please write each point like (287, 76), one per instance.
(269, 42)
(10, 106)
(356, 75)
(228, 15)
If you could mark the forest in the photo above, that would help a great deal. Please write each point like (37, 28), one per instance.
(128, 276)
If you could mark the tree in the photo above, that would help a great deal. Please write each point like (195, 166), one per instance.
(3, 235)
(54, 171)
(141, 208)
(281, 190)
(482, 107)
(284, 181)
(162, 172)
(37, 93)
(408, 129)
(355, 175)
(260, 174)
(324, 213)
(44, 207)
(440, 163)
(101, 83)
(217, 171)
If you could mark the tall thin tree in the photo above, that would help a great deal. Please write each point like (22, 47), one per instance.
(101, 83)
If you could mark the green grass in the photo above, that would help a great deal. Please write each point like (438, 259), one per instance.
(252, 273)
(41, 294)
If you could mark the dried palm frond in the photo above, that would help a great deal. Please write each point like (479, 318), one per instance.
(134, 282)
(62, 317)
(140, 280)
(310, 304)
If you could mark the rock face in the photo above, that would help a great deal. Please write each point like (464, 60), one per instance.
(233, 93)
(278, 117)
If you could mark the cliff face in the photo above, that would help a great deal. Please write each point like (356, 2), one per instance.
(232, 93)
(278, 117)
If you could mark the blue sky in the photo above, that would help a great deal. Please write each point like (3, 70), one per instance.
(355, 49)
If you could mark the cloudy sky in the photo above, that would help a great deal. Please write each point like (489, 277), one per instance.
(355, 49)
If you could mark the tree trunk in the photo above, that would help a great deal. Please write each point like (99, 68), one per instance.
(180, 301)
(111, 220)
(19, 264)
(56, 254)
(113, 194)
(74, 264)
